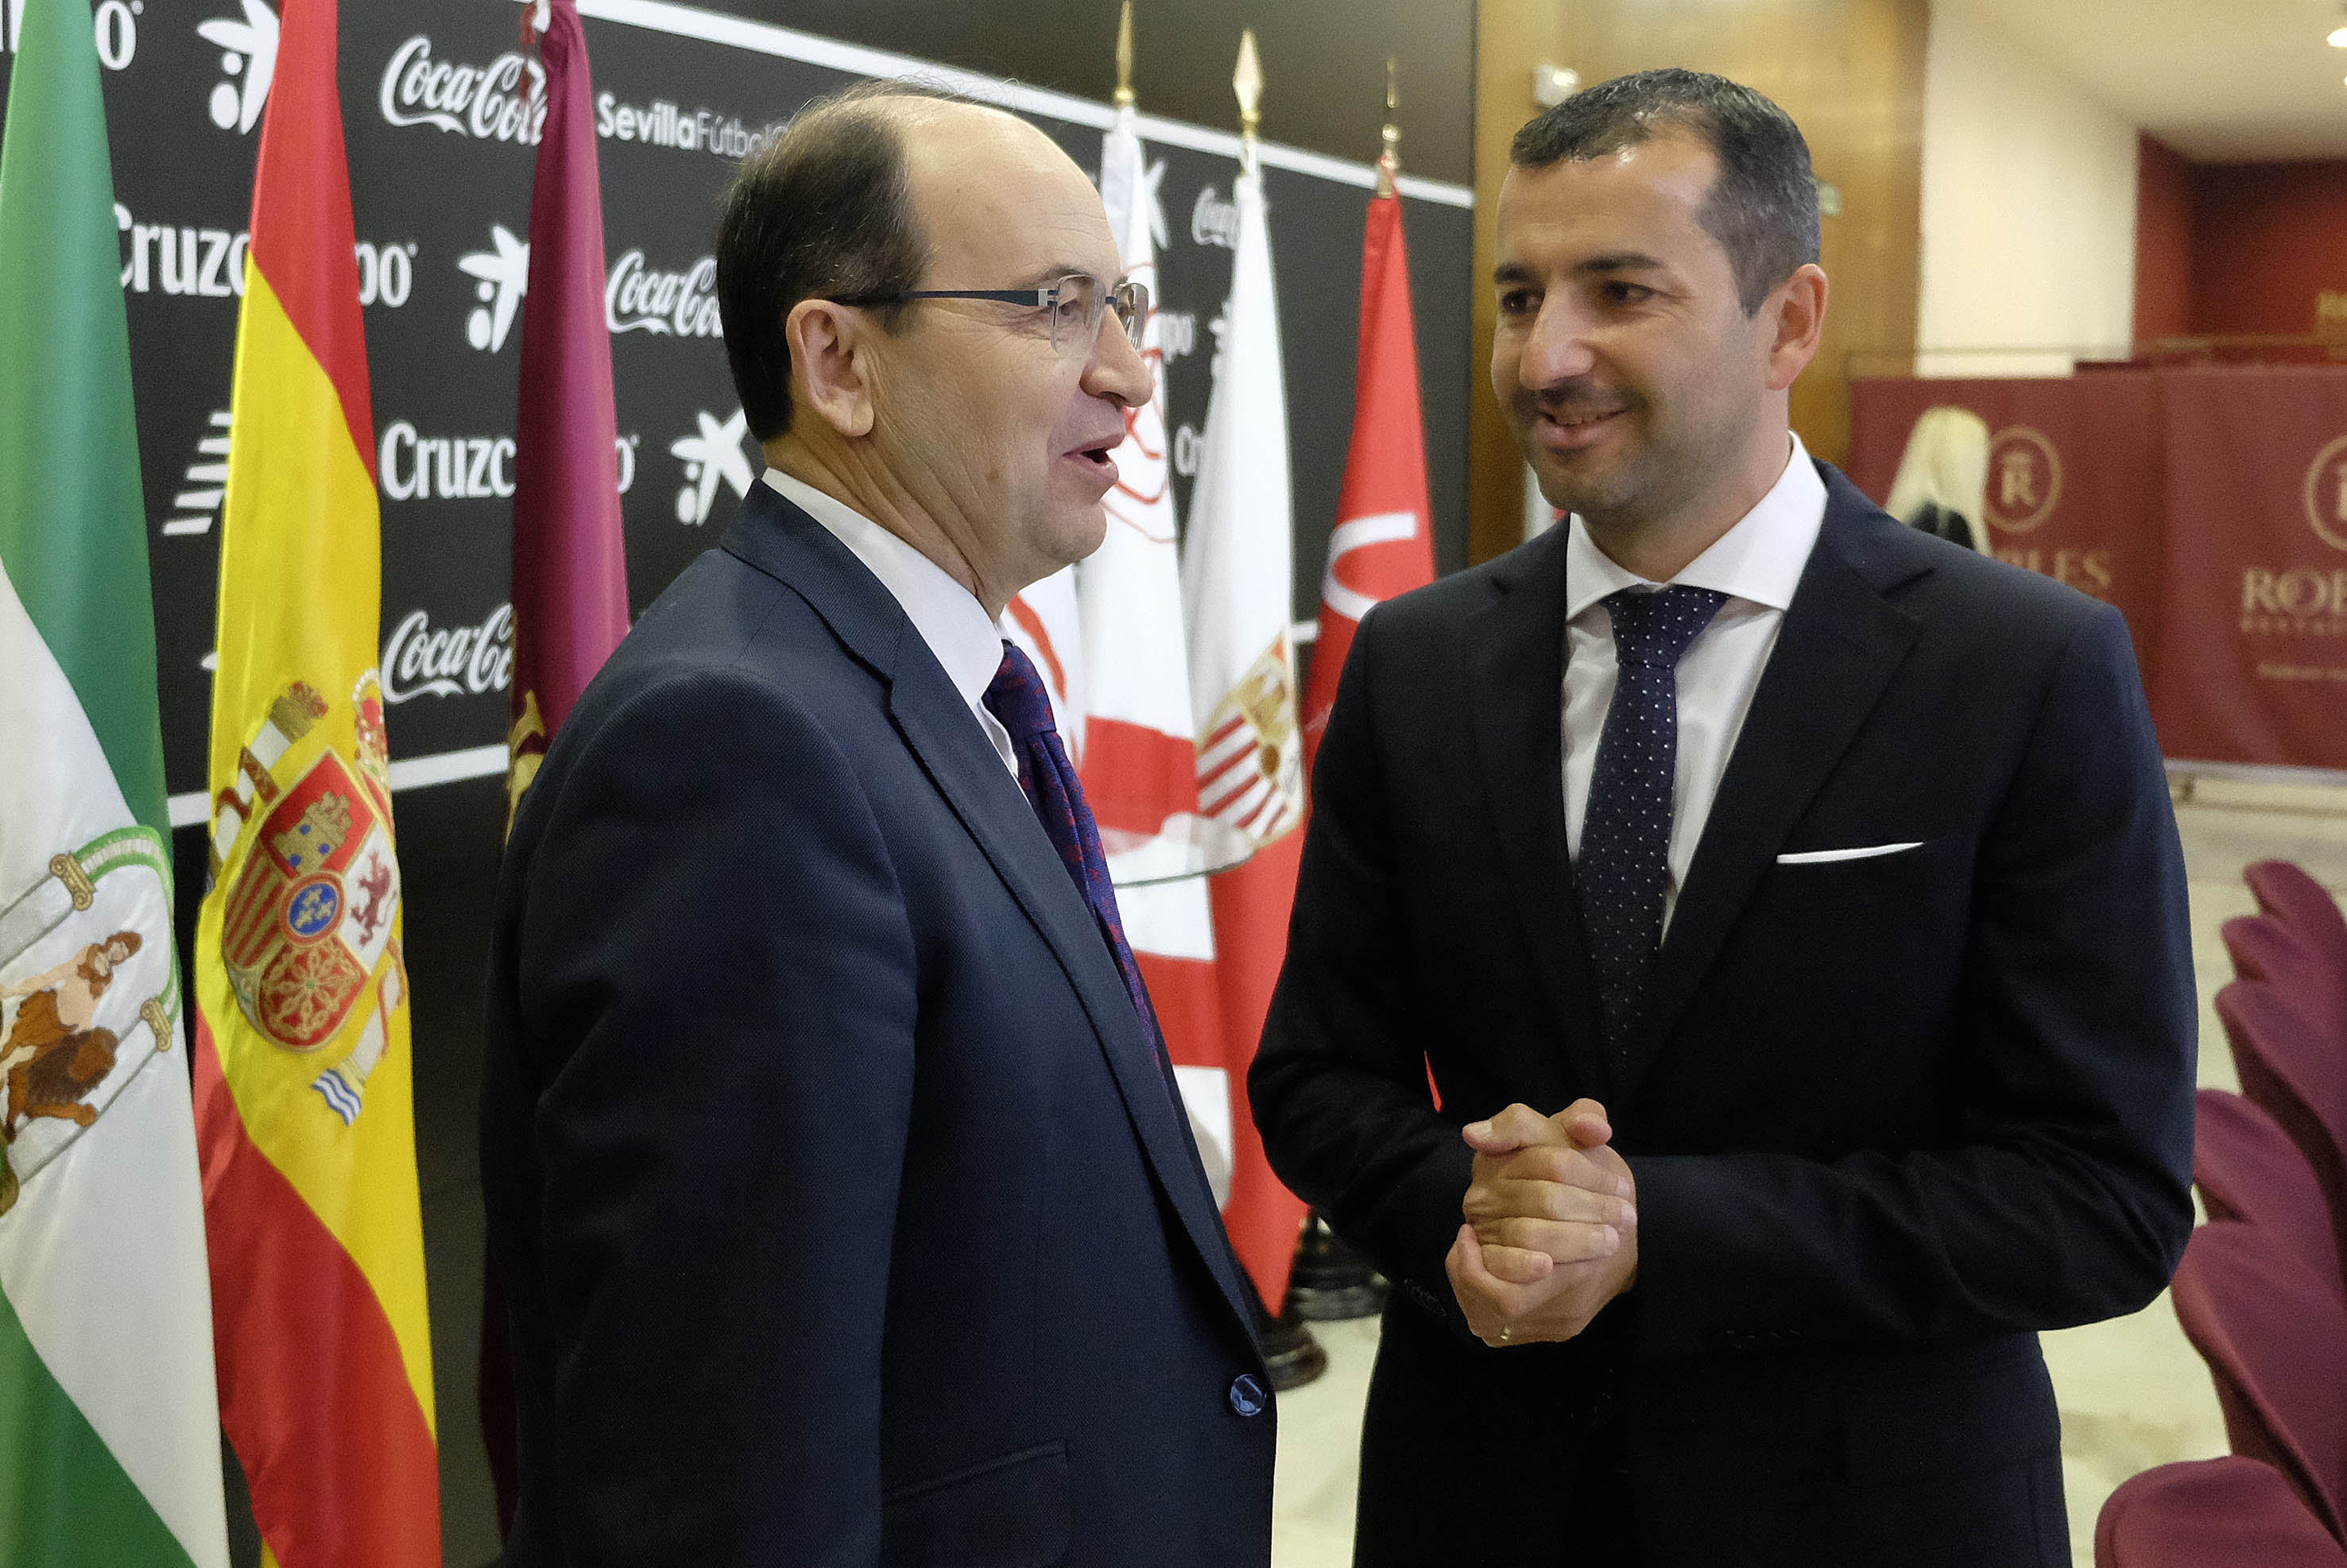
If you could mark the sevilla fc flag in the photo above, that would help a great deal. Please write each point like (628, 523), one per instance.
(1238, 577)
(1383, 544)
(1140, 740)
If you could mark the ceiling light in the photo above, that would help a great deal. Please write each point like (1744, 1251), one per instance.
(2338, 40)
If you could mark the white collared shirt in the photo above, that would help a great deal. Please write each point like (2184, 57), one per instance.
(1758, 564)
(965, 639)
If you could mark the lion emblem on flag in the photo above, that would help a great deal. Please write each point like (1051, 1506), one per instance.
(312, 908)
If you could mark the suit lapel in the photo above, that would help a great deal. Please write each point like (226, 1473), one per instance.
(1516, 660)
(784, 542)
(1837, 650)
(938, 728)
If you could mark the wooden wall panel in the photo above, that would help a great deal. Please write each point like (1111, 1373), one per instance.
(1849, 72)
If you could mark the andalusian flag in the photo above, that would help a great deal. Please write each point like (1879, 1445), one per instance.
(108, 1445)
(302, 1089)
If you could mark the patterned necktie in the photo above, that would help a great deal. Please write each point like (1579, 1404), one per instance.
(1018, 697)
(1625, 832)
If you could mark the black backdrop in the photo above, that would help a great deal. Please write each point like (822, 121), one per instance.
(440, 164)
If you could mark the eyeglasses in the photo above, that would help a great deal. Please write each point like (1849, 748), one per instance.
(1073, 306)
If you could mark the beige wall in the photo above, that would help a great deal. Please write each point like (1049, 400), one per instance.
(1851, 72)
(2028, 199)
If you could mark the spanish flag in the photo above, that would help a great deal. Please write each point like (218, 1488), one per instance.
(304, 1102)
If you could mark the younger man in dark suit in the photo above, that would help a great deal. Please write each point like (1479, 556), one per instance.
(1789, 910)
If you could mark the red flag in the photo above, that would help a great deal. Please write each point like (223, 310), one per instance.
(569, 555)
(1383, 543)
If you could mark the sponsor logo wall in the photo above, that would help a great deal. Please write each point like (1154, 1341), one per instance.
(442, 112)
(2072, 475)
(2208, 504)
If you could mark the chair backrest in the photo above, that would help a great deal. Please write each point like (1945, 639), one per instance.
(2293, 1072)
(2229, 1512)
(2275, 1339)
(2264, 948)
(2303, 907)
(2248, 1169)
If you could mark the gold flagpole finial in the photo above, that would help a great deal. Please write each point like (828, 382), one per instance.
(1248, 82)
(1124, 99)
(1389, 160)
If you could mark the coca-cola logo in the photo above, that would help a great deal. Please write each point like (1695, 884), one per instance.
(1214, 220)
(504, 100)
(679, 304)
(422, 661)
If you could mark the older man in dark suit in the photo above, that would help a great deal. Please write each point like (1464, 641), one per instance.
(1788, 912)
(833, 1165)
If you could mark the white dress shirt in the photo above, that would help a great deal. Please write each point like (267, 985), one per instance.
(1758, 564)
(965, 639)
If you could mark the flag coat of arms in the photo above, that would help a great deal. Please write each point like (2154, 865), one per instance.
(304, 1096)
(110, 1450)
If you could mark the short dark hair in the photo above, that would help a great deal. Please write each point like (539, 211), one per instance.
(1763, 206)
(822, 210)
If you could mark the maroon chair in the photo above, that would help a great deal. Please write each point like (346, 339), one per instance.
(2265, 948)
(2303, 906)
(2294, 1074)
(2275, 1337)
(2229, 1512)
(2248, 1169)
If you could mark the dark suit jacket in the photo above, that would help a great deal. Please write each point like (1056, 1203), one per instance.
(1888, 1118)
(842, 1207)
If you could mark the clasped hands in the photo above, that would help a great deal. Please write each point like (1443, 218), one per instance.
(1551, 1225)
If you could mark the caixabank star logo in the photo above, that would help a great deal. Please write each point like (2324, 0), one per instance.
(247, 46)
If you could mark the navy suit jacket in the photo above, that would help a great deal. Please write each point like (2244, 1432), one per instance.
(1888, 1116)
(842, 1210)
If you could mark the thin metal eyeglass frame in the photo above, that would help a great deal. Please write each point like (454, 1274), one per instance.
(1128, 301)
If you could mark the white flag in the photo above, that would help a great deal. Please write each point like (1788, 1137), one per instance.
(1140, 762)
(1239, 569)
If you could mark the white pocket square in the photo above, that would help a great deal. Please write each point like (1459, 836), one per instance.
(1867, 852)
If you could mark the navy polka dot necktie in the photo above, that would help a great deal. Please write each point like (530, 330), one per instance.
(1626, 830)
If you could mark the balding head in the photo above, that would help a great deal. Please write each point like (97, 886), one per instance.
(827, 209)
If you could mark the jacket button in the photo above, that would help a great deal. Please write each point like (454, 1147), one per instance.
(1246, 1395)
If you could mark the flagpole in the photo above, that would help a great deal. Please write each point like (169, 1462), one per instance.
(1389, 160)
(1124, 99)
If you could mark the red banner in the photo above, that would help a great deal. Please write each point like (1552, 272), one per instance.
(2073, 475)
(2253, 659)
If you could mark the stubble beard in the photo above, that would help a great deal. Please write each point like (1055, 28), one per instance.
(1606, 494)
